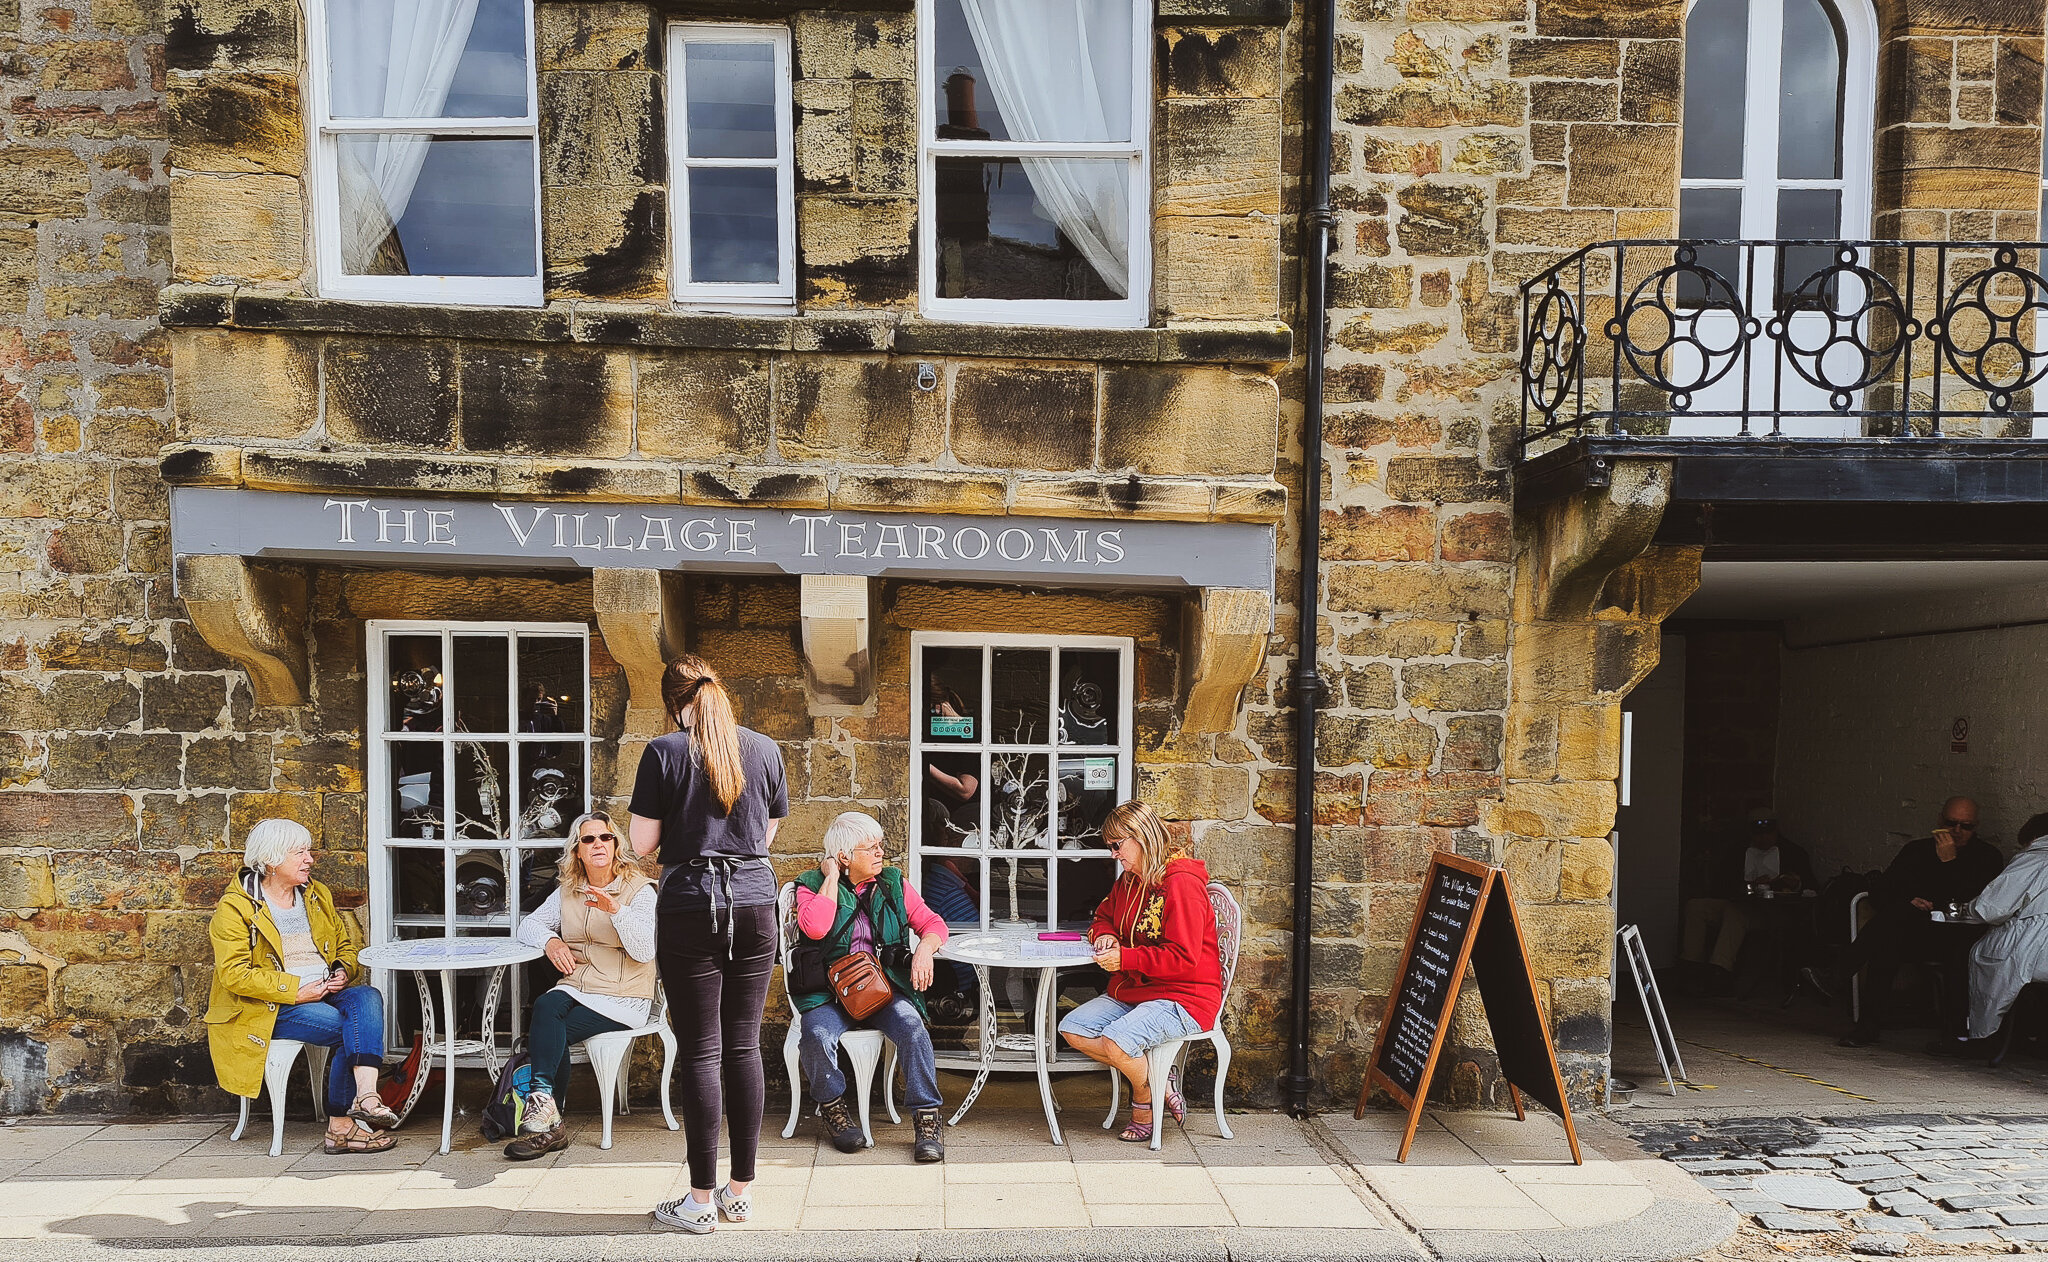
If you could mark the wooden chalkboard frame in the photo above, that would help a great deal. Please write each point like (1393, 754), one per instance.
(1518, 1021)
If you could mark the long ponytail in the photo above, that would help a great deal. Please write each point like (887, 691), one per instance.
(714, 737)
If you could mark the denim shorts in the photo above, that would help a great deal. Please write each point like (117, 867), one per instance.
(1134, 1028)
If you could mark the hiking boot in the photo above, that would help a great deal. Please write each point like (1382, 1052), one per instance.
(537, 1144)
(842, 1126)
(541, 1115)
(930, 1144)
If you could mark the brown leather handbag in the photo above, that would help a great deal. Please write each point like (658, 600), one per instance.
(859, 984)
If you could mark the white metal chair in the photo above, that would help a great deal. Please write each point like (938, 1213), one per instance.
(277, 1072)
(1168, 1056)
(862, 1047)
(610, 1061)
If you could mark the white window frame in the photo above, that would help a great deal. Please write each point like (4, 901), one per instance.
(383, 848)
(718, 294)
(988, 856)
(1760, 183)
(332, 280)
(1135, 310)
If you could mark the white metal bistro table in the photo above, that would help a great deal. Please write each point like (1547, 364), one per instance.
(1019, 947)
(449, 956)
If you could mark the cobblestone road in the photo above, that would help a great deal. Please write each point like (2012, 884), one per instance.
(1903, 1185)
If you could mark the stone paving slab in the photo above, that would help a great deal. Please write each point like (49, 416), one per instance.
(1475, 1186)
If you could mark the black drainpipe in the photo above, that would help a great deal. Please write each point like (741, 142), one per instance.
(1317, 223)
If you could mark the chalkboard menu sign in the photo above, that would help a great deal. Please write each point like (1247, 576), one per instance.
(1464, 917)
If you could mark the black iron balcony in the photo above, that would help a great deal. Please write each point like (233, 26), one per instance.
(1675, 340)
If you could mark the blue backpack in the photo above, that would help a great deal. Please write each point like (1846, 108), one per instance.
(501, 1117)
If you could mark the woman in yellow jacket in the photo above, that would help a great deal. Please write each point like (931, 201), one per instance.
(284, 959)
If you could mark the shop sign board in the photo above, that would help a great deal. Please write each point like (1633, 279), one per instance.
(519, 534)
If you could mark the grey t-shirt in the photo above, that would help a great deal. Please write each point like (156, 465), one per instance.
(673, 787)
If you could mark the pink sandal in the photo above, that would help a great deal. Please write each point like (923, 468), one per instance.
(1137, 1132)
(1176, 1103)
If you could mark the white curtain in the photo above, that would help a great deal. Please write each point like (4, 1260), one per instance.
(389, 59)
(1060, 70)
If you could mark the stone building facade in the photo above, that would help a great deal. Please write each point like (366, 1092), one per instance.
(176, 331)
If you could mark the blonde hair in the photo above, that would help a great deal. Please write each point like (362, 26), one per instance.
(571, 873)
(715, 735)
(271, 842)
(1140, 823)
(848, 832)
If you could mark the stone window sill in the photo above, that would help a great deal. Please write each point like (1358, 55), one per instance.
(1176, 12)
(616, 324)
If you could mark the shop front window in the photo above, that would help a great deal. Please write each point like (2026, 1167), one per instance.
(1021, 746)
(479, 761)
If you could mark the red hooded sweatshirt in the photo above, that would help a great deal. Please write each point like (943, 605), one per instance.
(1168, 935)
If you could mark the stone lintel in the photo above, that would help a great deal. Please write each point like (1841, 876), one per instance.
(1223, 645)
(640, 614)
(839, 623)
(255, 616)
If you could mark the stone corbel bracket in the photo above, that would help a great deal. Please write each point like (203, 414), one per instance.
(1223, 646)
(839, 623)
(254, 616)
(1578, 542)
(640, 614)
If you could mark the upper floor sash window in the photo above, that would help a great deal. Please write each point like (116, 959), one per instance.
(733, 195)
(426, 160)
(1035, 206)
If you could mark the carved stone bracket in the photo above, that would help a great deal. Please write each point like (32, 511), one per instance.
(255, 616)
(1223, 646)
(640, 613)
(1577, 542)
(839, 624)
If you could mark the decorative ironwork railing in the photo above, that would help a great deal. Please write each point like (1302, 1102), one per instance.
(1786, 339)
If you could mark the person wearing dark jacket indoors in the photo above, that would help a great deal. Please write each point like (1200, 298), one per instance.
(1156, 937)
(1716, 926)
(1949, 867)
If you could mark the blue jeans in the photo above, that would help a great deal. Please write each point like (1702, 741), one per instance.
(1132, 1027)
(899, 1023)
(352, 1020)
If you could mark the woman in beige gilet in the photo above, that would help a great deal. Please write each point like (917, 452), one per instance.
(598, 929)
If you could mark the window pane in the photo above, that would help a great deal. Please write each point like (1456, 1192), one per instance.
(1084, 883)
(1088, 697)
(551, 793)
(1033, 228)
(480, 683)
(1017, 814)
(1087, 792)
(952, 695)
(482, 774)
(1716, 75)
(437, 206)
(446, 60)
(415, 789)
(1806, 214)
(1020, 681)
(1710, 214)
(415, 665)
(1810, 110)
(1032, 70)
(550, 684)
(951, 799)
(951, 886)
(734, 237)
(732, 95)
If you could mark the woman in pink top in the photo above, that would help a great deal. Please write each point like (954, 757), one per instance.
(855, 901)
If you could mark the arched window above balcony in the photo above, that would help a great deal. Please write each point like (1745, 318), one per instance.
(1779, 97)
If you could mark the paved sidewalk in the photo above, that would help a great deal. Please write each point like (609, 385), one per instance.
(1475, 1186)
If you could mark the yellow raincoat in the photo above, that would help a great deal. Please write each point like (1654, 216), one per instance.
(249, 981)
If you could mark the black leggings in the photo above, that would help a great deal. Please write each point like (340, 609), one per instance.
(716, 1005)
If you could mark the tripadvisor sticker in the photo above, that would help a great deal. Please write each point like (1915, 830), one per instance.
(942, 725)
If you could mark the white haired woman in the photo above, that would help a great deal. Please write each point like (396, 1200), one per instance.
(284, 967)
(855, 901)
(598, 929)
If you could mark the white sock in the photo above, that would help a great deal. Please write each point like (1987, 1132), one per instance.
(695, 1201)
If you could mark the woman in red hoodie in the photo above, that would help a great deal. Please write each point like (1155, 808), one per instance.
(1156, 936)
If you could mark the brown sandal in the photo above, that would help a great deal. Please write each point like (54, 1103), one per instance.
(371, 1111)
(358, 1139)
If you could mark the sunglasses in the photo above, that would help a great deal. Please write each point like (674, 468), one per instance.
(1964, 825)
(610, 837)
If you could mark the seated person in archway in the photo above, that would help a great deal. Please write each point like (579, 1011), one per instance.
(1716, 926)
(1948, 868)
(2014, 951)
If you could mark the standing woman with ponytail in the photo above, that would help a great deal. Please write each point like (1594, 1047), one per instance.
(707, 801)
